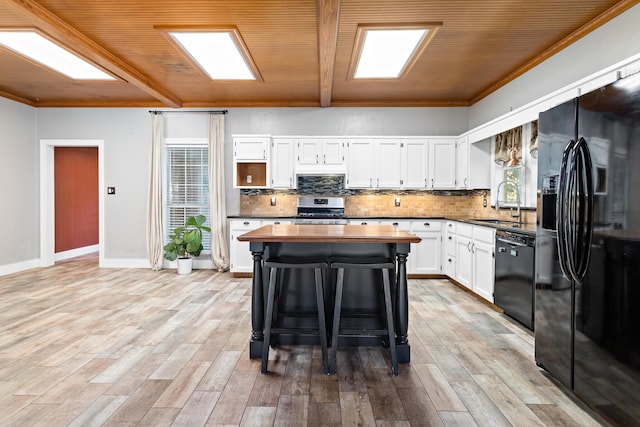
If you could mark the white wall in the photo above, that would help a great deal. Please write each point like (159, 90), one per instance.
(127, 135)
(19, 194)
(615, 41)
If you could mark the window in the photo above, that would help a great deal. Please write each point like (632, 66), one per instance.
(186, 190)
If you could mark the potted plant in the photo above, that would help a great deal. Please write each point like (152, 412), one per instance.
(186, 242)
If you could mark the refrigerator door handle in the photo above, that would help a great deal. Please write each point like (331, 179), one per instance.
(585, 221)
(562, 211)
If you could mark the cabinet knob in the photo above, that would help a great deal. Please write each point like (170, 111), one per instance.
(395, 224)
(245, 223)
(449, 259)
(450, 238)
(277, 222)
(363, 223)
(426, 224)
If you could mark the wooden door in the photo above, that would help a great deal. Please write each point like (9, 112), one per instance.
(76, 197)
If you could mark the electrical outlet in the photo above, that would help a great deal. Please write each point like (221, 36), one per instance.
(397, 201)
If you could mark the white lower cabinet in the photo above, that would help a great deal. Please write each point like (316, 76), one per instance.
(475, 259)
(483, 261)
(240, 258)
(426, 257)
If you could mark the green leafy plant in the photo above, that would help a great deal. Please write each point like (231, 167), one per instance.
(186, 241)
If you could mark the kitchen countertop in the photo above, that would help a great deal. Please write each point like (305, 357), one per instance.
(528, 229)
(329, 233)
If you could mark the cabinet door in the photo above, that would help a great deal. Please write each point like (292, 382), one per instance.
(241, 260)
(332, 152)
(415, 164)
(442, 166)
(250, 148)
(360, 164)
(308, 151)
(282, 163)
(464, 261)
(483, 270)
(387, 173)
(427, 254)
(462, 163)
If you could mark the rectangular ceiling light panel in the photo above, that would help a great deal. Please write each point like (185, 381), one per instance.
(388, 51)
(37, 48)
(220, 54)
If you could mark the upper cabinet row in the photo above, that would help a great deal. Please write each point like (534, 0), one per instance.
(385, 163)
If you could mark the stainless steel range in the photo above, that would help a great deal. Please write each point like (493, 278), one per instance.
(320, 210)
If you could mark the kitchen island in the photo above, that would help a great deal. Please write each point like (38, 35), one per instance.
(330, 241)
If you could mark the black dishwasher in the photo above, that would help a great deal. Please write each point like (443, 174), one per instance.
(514, 284)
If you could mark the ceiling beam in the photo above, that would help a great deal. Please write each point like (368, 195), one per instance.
(328, 15)
(84, 46)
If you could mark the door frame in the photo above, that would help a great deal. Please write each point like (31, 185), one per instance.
(47, 195)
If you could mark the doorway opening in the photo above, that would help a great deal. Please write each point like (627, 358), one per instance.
(48, 198)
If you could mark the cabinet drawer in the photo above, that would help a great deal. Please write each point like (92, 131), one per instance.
(246, 224)
(450, 227)
(484, 234)
(426, 225)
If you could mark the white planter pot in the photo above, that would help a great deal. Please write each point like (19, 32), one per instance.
(185, 265)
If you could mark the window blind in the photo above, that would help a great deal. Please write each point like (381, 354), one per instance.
(186, 187)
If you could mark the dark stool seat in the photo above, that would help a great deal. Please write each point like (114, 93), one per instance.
(276, 264)
(384, 265)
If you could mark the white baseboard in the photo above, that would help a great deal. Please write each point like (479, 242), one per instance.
(124, 263)
(19, 266)
(106, 263)
(61, 256)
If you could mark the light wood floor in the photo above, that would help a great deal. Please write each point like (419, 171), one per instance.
(84, 346)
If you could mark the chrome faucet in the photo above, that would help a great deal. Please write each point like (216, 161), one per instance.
(517, 214)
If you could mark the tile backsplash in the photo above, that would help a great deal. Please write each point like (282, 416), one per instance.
(374, 203)
(455, 204)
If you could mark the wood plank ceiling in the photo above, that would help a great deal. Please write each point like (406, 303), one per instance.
(302, 49)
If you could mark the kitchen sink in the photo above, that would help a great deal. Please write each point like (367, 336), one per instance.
(498, 222)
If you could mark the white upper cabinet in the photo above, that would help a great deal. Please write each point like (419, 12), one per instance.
(442, 163)
(415, 164)
(360, 163)
(462, 163)
(282, 175)
(374, 163)
(387, 157)
(250, 147)
(320, 154)
(251, 165)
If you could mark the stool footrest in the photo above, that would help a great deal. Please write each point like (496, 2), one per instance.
(374, 263)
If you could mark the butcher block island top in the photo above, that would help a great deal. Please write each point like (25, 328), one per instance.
(332, 233)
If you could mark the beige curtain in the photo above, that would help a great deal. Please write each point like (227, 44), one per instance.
(217, 195)
(155, 231)
(533, 149)
(507, 140)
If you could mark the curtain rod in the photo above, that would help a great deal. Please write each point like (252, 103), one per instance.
(186, 111)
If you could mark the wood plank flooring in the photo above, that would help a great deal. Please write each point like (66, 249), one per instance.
(83, 346)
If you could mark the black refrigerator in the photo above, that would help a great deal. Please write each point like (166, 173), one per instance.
(587, 273)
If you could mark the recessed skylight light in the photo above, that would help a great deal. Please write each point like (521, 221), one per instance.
(387, 52)
(42, 50)
(221, 54)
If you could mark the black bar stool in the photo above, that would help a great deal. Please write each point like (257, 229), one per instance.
(277, 263)
(385, 265)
